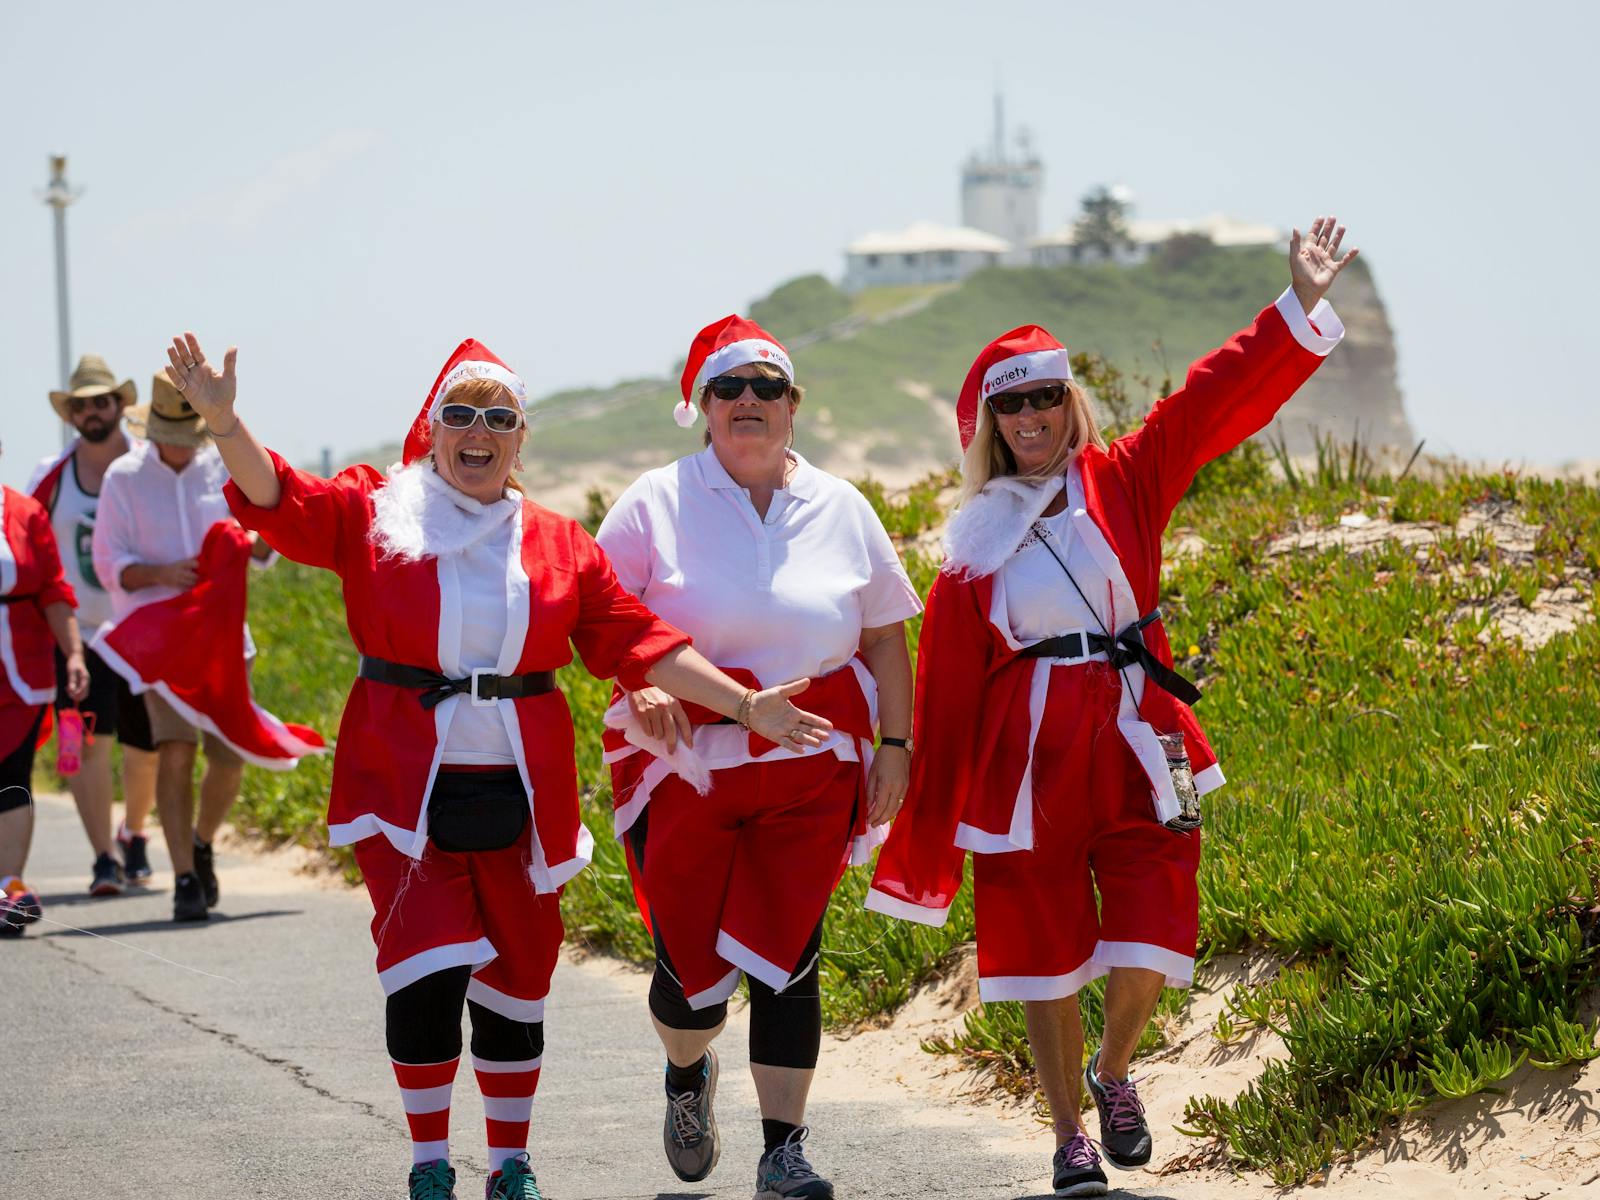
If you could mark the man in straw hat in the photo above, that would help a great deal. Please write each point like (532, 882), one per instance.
(68, 485)
(156, 506)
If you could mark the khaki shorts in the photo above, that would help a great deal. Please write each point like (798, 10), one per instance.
(168, 725)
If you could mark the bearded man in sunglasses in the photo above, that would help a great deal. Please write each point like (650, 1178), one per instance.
(454, 778)
(778, 571)
(68, 485)
(1055, 741)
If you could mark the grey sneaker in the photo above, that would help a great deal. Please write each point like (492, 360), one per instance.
(1124, 1136)
(690, 1133)
(784, 1173)
(1076, 1168)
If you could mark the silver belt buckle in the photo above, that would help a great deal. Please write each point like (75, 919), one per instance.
(477, 700)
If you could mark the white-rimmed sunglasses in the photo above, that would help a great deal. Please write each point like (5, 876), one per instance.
(498, 419)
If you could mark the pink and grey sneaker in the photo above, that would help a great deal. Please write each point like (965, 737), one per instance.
(1124, 1135)
(1076, 1168)
(19, 908)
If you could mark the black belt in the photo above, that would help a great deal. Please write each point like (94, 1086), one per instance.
(1126, 649)
(16, 598)
(482, 685)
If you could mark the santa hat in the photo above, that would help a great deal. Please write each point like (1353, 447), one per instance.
(719, 348)
(471, 360)
(1016, 359)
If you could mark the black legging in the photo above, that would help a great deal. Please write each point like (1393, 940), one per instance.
(16, 770)
(424, 1023)
(785, 1027)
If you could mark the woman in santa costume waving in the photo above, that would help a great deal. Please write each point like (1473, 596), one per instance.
(36, 617)
(454, 776)
(1054, 740)
(779, 571)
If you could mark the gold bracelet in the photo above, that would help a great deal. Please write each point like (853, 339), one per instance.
(741, 715)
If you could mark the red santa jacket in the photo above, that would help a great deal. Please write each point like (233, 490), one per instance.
(560, 589)
(30, 581)
(978, 699)
(190, 648)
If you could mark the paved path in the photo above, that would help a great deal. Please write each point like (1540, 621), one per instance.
(266, 1076)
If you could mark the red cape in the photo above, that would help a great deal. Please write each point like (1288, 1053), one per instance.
(190, 650)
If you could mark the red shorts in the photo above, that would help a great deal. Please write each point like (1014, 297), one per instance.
(1039, 934)
(474, 909)
(737, 879)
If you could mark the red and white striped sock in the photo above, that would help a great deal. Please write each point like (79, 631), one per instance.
(508, 1089)
(425, 1091)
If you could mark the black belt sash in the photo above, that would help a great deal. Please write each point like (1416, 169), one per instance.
(19, 598)
(437, 688)
(1125, 650)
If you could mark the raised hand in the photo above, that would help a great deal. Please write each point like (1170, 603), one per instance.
(209, 391)
(1314, 260)
(776, 719)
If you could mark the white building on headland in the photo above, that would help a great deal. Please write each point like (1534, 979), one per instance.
(1000, 200)
(921, 253)
(1000, 191)
(1145, 238)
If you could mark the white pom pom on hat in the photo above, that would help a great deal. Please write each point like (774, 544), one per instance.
(719, 348)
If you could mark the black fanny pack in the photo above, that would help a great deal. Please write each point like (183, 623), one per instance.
(476, 810)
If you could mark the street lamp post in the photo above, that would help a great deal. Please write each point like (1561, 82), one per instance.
(58, 196)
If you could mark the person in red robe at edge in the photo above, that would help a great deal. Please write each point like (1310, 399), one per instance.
(454, 776)
(1054, 740)
(37, 607)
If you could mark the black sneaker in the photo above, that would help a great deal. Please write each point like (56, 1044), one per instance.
(434, 1180)
(1076, 1168)
(189, 899)
(205, 866)
(784, 1174)
(135, 857)
(690, 1132)
(107, 879)
(1124, 1136)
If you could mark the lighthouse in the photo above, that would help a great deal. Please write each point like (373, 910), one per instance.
(1000, 190)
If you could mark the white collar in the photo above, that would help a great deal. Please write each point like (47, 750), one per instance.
(416, 514)
(802, 484)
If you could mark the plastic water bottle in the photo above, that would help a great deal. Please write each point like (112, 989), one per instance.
(70, 735)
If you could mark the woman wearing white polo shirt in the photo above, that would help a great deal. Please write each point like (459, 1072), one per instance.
(778, 571)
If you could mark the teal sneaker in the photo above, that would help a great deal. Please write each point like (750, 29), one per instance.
(513, 1181)
(434, 1180)
(784, 1173)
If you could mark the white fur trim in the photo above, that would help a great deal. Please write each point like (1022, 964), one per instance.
(987, 529)
(752, 964)
(1209, 780)
(685, 413)
(1022, 369)
(416, 514)
(1178, 968)
(1038, 987)
(981, 841)
(439, 958)
(511, 1007)
(1318, 331)
(893, 906)
(717, 992)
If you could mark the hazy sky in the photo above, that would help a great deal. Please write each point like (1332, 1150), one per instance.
(347, 190)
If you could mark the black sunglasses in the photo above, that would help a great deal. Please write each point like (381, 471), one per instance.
(496, 420)
(1008, 404)
(79, 403)
(731, 387)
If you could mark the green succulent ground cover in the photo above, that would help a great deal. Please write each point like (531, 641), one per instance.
(1411, 823)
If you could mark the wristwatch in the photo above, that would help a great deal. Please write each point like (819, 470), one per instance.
(904, 743)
